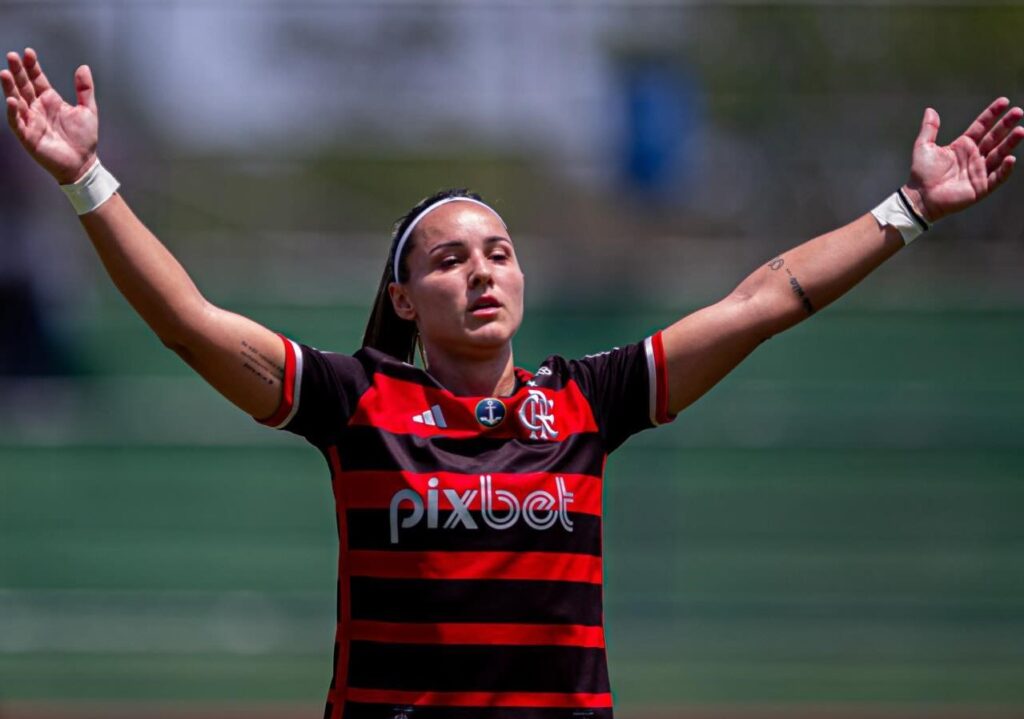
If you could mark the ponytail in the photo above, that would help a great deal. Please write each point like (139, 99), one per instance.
(385, 330)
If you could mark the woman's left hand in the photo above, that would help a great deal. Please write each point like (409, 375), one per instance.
(944, 180)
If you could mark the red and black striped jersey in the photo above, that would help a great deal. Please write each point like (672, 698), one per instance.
(469, 570)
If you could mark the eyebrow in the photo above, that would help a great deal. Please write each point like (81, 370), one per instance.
(493, 239)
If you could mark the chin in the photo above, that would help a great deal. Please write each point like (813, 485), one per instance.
(490, 339)
(491, 335)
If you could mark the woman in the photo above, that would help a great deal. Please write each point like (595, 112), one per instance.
(469, 492)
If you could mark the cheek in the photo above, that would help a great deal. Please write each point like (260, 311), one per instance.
(440, 297)
(518, 285)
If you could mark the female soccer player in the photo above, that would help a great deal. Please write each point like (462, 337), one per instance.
(468, 492)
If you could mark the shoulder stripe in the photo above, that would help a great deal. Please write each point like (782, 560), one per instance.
(291, 386)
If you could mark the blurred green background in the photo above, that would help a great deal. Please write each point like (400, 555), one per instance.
(837, 524)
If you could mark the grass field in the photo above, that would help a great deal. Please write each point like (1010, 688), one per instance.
(835, 530)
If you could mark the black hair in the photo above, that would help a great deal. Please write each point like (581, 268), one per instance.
(385, 330)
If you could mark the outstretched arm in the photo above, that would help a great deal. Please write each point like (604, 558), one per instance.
(703, 347)
(240, 358)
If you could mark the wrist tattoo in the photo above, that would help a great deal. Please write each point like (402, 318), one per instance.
(260, 365)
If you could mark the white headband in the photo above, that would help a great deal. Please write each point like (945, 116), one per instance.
(412, 225)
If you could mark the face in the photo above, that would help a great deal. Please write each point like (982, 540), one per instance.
(464, 288)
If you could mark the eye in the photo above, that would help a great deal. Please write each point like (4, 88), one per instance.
(448, 261)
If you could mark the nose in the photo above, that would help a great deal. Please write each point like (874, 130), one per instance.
(480, 270)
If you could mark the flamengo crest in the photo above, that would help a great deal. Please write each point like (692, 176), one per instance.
(535, 413)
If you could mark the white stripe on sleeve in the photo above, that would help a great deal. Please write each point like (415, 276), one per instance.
(652, 380)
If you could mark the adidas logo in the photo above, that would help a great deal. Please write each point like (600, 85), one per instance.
(431, 417)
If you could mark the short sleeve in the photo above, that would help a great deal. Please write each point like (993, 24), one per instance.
(627, 388)
(320, 393)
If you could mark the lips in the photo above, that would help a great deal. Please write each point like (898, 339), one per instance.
(484, 302)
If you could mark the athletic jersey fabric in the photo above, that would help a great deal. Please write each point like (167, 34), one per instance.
(469, 573)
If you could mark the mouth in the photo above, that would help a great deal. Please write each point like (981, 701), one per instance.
(485, 306)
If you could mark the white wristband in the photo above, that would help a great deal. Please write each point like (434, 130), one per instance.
(897, 211)
(90, 191)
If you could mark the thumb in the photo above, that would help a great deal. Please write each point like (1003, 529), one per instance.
(929, 127)
(84, 88)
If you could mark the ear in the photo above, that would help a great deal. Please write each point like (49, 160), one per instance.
(401, 302)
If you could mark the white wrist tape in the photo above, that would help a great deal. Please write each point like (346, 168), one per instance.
(94, 188)
(897, 211)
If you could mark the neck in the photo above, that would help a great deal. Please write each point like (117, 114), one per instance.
(491, 375)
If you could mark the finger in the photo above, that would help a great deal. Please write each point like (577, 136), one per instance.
(35, 72)
(977, 173)
(12, 113)
(1001, 130)
(17, 115)
(1002, 173)
(7, 82)
(987, 119)
(84, 88)
(929, 127)
(995, 158)
(16, 106)
(20, 77)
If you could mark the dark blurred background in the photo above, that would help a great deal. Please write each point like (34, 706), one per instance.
(835, 529)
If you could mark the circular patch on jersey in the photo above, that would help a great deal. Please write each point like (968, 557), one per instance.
(490, 412)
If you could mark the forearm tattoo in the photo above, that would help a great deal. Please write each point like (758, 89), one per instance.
(794, 284)
(260, 365)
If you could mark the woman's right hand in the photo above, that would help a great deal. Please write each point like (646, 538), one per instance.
(60, 137)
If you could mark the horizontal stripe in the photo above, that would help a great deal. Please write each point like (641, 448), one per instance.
(521, 601)
(482, 699)
(375, 490)
(359, 710)
(552, 566)
(476, 668)
(370, 448)
(392, 403)
(466, 633)
(371, 529)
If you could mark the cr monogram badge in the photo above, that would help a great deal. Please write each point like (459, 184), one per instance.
(535, 413)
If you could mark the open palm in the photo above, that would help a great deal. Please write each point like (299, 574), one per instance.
(946, 179)
(60, 137)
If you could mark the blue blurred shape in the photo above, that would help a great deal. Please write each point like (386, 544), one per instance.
(661, 113)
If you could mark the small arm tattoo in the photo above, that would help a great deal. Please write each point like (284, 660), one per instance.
(260, 365)
(777, 264)
(794, 284)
